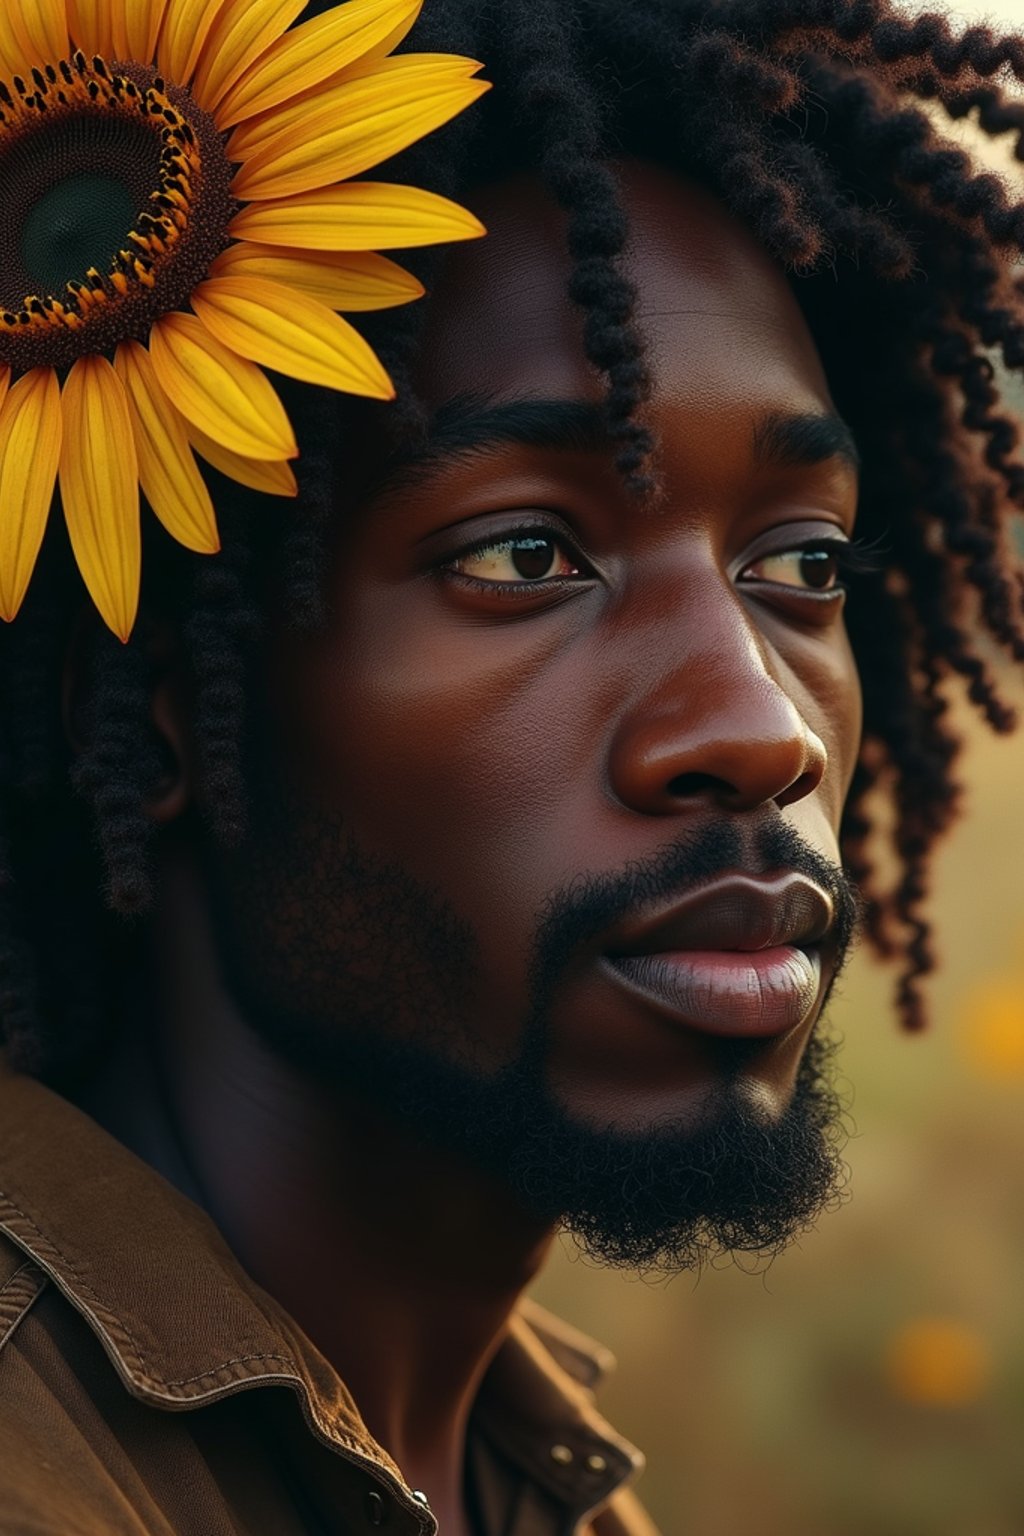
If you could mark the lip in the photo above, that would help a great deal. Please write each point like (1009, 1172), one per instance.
(745, 912)
(745, 995)
(740, 957)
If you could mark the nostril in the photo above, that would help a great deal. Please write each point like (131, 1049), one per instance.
(685, 785)
(804, 785)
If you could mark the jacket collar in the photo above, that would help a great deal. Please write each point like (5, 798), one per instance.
(184, 1325)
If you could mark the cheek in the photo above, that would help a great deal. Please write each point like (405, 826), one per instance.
(845, 719)
(825, 684)
(459, 750)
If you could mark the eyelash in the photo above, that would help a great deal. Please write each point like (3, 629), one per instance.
(855, 558)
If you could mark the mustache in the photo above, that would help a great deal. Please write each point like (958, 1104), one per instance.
(577, 914)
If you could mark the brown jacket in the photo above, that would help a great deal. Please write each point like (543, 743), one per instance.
(149, 1388)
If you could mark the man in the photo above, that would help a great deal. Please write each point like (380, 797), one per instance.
(490, 809)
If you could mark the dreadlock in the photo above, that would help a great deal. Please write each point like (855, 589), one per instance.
(819, 123)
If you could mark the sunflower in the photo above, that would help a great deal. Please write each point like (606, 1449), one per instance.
(179, 214)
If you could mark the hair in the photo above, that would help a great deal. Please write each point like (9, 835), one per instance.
(820, 124)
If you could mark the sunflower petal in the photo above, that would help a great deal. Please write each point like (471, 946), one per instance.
(386, 45)
(314, 52)
(347, 280)
(5, 383)
(169, 475)
(99, 486)
(242, 32)
(11, 61)
(186, 26)
(369, 120)
(272, 476)
(358, 216)
(91, 27)
(292, 334)
(223, 394)
(30, 436)
(41, 30)
(136, 27)
(330, 103)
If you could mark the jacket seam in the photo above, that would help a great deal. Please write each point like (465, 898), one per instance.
(149, 1376)
(26, 1265)
(83, 1284)
(187, 1381)
(32, 1282)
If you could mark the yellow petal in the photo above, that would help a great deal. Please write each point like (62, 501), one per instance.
(136, 27)
(359, 216)
(292, 334)
(348, 280)
(5, 383)
(169, 475)
(314, 52)
(242, 32)
(91, 27)
(186, 26)
(331, 104)
(386, 45)
(41, 30)
(30, 436)
(11, 61)
(99, 486)
(361, 123)
(274, 477)
(222, 394)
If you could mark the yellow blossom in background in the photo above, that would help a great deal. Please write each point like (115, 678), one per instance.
(938, 1362)
(992, 1028)
(180, 214)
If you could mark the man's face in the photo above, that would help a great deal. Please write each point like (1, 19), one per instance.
(550, 820)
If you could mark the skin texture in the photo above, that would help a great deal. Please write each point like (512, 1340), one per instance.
(495, 750)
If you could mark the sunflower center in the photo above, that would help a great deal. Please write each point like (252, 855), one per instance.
(116, 201)
(80, 223)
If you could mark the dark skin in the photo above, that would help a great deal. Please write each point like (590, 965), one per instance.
(675, 666)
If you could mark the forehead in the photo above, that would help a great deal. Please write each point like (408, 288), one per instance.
(720, 323)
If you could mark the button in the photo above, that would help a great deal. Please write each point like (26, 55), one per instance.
(561, 1454)
(596, 1463)
(376, 1509)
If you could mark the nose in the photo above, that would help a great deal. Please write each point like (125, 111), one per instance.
(717, 727)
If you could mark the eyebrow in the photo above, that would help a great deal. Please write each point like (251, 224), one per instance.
(469, 426)
(808, 438)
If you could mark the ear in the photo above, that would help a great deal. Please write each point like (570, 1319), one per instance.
(169, 714)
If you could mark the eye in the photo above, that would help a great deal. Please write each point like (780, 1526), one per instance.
(530, 556)
(809, 568)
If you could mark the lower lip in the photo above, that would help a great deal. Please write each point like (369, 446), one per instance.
(743, 994)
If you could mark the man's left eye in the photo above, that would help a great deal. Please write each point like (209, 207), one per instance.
(811, 568)
(526, 557)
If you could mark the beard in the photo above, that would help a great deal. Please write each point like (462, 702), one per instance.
(347, 967)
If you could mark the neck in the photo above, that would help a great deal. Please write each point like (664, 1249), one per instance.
(400, 1263)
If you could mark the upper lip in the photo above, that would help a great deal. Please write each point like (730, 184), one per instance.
(736, 912)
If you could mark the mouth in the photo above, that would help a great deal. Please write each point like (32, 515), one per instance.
(740, 958)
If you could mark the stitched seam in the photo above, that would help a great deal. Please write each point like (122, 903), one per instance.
(82, 1282)
(21, 1269)
(238, 1360)
(84, 1285)
(32, 1287)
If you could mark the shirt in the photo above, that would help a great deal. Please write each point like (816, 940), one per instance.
(148, 1386)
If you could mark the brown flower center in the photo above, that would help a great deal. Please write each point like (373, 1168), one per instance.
(117, 193)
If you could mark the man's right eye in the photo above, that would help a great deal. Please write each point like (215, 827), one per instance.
(524, 558)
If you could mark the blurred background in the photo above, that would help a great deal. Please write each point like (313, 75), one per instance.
(870, 1382)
